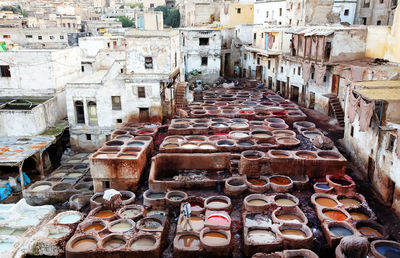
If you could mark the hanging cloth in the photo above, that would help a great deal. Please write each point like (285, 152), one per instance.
(320, 71)
(357, 73)
(365, 114)
(352, 106)
(306, 67)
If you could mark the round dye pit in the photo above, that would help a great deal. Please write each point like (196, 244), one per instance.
(218, 219)
(188, 146)
(196, 139)
(150, 224)
(69, 219)
(135, 144)
(217, 204)
(61, 187)
(294, 233)
(196, 206)
(257, 202)
(261, 236)
(257, 182)
(262, 135)
(219, 125)
(156, 195)
(244, 143)
(156, 213)
(279, 154)
(340, 231)
(174, 139)
(115, 143)
(350, 202)
(121, 227)
(99, 199)
(335, 215)
(370, 232)
(340, 181)
(280, 180)
(94, 228)
(258, 220)
(326, 202)
(207, 147)
(358, 215)
(170, 146)
(114, 243)
(214, 238)
(236, 182)
(224, 143)
(130, 213)
(239, 125)
(143, 243)
(327, 155)
(74, 175)
(239, 135)
(292, 218)
(104, 214)
(322, 186)
(86, 244)
(41, 188)
(189, 241)
(281, 201)
(287, 140)
(306, 155)
(388, 251)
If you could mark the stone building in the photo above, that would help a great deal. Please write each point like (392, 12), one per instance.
(375, 12)
(201, 48)
(133, 81)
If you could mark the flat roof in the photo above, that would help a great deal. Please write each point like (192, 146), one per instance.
(379, 90)
(95, 77)
(14, 150)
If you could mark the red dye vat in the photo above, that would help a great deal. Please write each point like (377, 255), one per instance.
(217, 219)
(145, 132)
(246, 112)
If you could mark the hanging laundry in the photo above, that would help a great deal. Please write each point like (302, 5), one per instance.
(321, 48)
(357, 73)
(296, 42)
(320, 71)
(352, 106)
(271, 40)
(313, 47)
(398, 144)
(306, 68)
(365, 113)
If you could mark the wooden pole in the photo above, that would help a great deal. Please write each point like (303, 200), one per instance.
(21, 176)
(41, 165)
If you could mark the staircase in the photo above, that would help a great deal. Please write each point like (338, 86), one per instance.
(180, 94)
(336, 108)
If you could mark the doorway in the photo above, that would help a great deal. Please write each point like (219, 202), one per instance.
(371, 169)
(295, 94)
(144, 115)
(335, 84)
(312, 100)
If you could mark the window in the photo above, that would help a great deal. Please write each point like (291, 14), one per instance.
(204, 61)
(40, 37)
(269, 64)
(80, 116)
(245, 56)
(151, 5)
(381, 1)
(92, 112)
(141, 92)
(69, 25)
(121, 70)
(88, 137)
(204, 41)
(6, 36)
(28, 36)
(312, 75)
(366, 3)
(119, 121)
(175, 60)
(116, 102)
(325, 78)
(255, 36)
(346, 12)
(299, 70)
(83, 69)
(61, 37)
(5, 71)
(258, 60)
(267, 14)
(364, 20)
(262, 35)
(294, 71)
(281, 69)
(351, 131)
(108, 44)
(238, 10)
(148, 62)
(390, 144)
(378, 22)
(280, 11)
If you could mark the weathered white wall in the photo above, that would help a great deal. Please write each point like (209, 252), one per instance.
(348, 45)
(339, 7)
(273, 8)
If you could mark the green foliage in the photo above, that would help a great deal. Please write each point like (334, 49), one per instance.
(171, 17)
(126, 21)
(140, 5)
(15, 9)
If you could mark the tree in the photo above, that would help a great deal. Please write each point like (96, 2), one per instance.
(126, 21)
(140, 5)
(171, 17)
